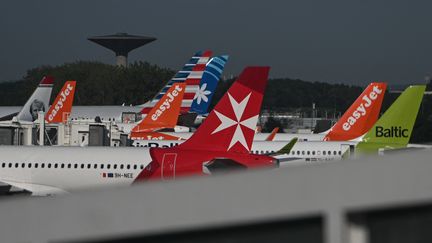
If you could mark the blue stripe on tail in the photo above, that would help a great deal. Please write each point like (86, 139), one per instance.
(208, 84)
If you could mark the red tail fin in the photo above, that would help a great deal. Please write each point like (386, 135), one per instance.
(165, 113)
(361, 115)
(231, 124)
(62, 106)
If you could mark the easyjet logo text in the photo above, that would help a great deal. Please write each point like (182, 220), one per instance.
(63, 96)
(167, 103)
(392, 132)
(362, 109)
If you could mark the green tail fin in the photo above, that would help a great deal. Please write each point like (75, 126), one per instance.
(394, 128)
(287, 148)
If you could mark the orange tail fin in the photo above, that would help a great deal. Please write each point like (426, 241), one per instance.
(361, 115)
(165, 113)
(272, 134)
(61, 108)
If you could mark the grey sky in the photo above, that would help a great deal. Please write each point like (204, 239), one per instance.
(349, 41)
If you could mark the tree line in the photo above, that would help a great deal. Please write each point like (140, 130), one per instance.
(103, 84)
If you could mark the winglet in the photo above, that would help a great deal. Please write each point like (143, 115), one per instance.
(230, 126)
(61, 108)
(287, 148)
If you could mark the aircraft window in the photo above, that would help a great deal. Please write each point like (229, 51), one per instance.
(3, 165)
(16, 165)
(62, 166)
(69, 166)
(88, 166)
(298, 152)
(102, 166)
(324, 152)
(75, 166)
(55, 165)
(10, 165)
(135, 167)
(142, 167)
(36, 165)
(108, 166)
(49, 165)
(30, 165)
(334, 152)
(308, 152)
(128, 167)
(95, 166)
(303, 152)
(340, 152)
(313, 152)
(82, 166)
(23, 165)
(329, 152)
(121, 166)
(115, 166)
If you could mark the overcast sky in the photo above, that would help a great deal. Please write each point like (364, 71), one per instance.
(348, 41)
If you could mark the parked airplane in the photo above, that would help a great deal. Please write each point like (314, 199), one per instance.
(38, 101)
(147, 129)
(391, 131)
(355, 122)
(222, 142)
(193, 70)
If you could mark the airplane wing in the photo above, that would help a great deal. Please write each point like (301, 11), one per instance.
(222, 165)
(35, 189)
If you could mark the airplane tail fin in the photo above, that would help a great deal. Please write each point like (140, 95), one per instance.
(209, 81)
(38, 101)
(230, 126)
(394, 128)
(272, 135)
(190, 74)
(360, 116)
(165, 113)
(61, 108)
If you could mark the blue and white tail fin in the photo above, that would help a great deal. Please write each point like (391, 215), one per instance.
(191, 73)
(209, 81)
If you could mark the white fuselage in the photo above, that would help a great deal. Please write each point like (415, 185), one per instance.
(105, 112)
(51, 170)
(301, 151)
(264, 136)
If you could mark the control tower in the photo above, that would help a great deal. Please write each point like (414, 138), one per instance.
(121, 44)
